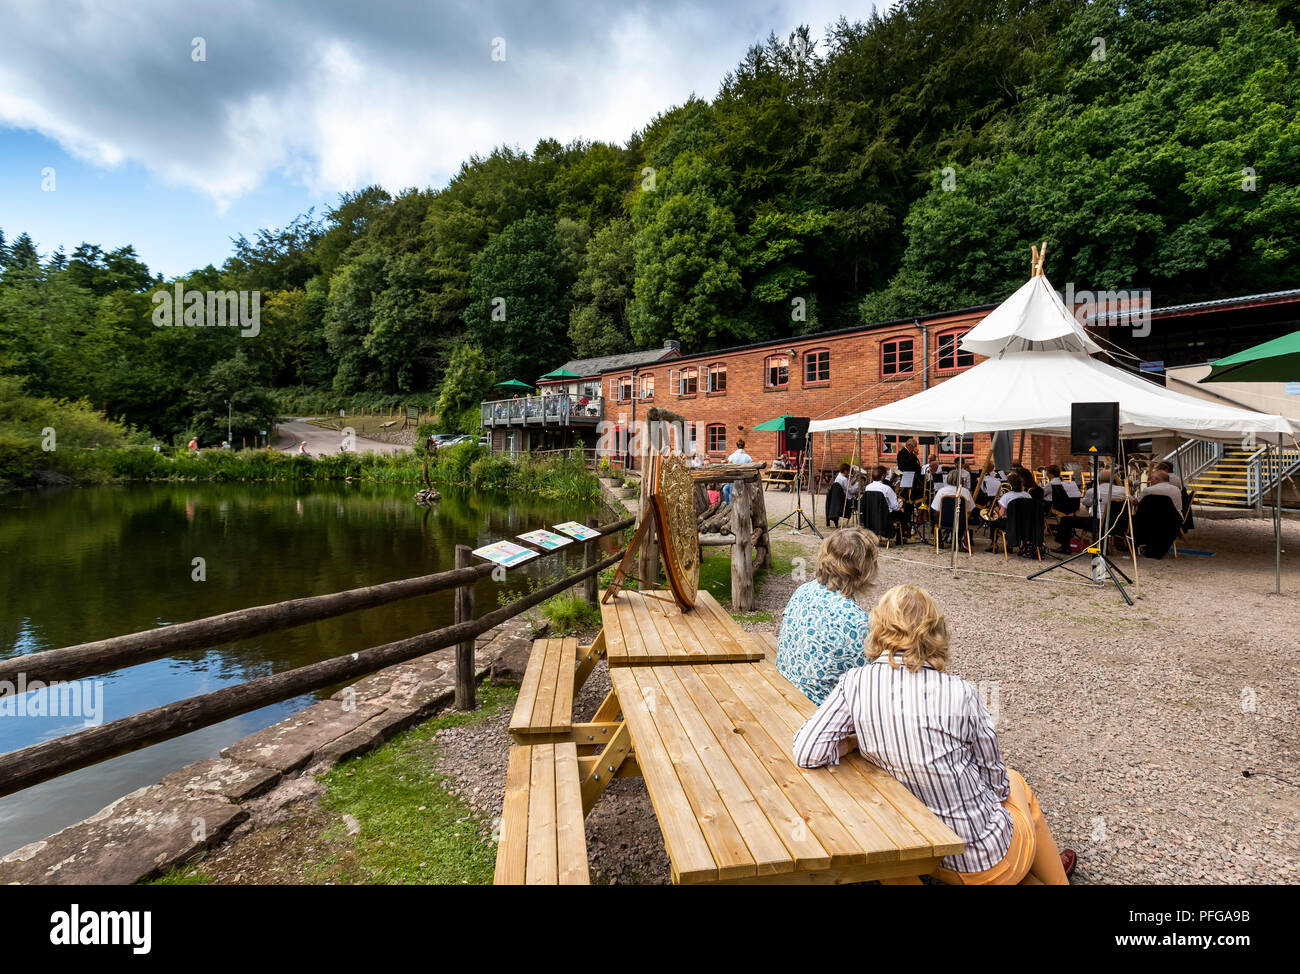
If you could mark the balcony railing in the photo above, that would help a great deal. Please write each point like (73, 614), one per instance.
(562, 410)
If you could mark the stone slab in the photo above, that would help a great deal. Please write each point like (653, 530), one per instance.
(140, 835)
(290, 744)
(235, 781)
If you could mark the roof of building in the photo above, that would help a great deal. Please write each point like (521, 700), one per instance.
(819, 335)
(609, 363)
(1244, 300)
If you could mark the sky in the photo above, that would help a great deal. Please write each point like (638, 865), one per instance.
(175, 126)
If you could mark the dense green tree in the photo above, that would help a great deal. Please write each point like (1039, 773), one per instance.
(469, 382)
(602, 293)
(518, 306)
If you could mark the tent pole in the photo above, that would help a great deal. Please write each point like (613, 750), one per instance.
(1122, 461)
(1277, 521)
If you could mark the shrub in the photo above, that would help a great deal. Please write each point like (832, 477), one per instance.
(569, 611)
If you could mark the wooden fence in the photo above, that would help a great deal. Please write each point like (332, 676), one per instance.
(49, 759)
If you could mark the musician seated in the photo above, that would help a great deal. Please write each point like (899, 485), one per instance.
(878, 486)
(1015, 490)
(1160, 485)
(1029, 483)
(1168, 468)
(951, 486)
(824, 628)
(839, 500)
(1108, 487)
(1065, 493)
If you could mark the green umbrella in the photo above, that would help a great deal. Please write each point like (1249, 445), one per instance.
(561, 374)
(515, 384)
(1275, 361)
(774, 425)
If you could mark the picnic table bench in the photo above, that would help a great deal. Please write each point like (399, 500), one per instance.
(698, 709)
(780, 478)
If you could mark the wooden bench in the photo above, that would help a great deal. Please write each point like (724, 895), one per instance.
(543, 837)
(557, 669)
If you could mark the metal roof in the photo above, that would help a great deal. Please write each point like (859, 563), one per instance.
(1271, 297)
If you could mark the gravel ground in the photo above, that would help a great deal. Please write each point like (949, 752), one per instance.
(1161, 740)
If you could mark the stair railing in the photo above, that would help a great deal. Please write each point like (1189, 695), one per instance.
(1191, 458)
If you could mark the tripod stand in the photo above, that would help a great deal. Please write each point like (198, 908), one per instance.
(1102, 567)
(800, 519)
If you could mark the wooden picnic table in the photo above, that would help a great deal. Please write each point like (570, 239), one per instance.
(643, 629)
(713, 742)
(699, 710)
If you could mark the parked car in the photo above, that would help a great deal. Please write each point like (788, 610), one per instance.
(439, 440)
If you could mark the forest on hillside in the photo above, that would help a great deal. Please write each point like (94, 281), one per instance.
(891, 167)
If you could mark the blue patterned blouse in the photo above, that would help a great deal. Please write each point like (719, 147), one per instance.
(823, 636)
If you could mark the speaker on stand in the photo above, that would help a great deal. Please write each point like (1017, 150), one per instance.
(1094, 433)
(796, 440)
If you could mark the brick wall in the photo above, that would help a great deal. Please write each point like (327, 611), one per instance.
(856, 383)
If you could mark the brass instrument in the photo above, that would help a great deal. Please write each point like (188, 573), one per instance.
(989, 512)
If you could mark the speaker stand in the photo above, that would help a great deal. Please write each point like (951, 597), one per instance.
(1102, 567)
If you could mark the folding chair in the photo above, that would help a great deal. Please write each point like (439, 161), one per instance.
(875, 517)
(947, 515)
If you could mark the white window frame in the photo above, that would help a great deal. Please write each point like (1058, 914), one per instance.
(674, 382)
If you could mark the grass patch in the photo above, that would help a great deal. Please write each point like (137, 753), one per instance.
(568, 612)
(182, 876)
(413, 830)
(760, 616)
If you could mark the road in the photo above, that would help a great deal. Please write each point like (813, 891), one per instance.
(294, 431)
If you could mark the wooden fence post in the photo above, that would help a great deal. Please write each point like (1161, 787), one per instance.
(465, 650)
(592, 555)
(742, 565)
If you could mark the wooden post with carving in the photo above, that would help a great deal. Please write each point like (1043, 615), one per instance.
(742, 562)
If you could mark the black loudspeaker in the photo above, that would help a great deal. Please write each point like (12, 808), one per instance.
(1002, 450)
(1094, 428)
(796, 433)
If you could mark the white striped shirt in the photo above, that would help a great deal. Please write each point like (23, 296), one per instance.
(933, 733)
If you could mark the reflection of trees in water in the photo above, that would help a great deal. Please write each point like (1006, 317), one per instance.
(84, 565)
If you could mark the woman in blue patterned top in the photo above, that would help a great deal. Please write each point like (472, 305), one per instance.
(824, 630)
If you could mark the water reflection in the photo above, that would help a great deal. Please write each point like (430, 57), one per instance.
(77, 565)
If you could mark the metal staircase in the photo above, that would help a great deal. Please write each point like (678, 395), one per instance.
(1233, 477)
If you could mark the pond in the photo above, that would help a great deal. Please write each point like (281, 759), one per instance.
(80, 565)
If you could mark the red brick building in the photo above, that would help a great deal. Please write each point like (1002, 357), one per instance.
(726, 393)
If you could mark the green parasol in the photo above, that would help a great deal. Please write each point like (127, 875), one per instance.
(1275, 361)
(774, 425)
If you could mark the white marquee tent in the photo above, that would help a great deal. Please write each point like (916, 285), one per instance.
(1039, 364)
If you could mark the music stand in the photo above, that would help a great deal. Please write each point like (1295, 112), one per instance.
(1102, 567)
(800, 519)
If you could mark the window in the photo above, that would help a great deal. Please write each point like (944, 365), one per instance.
(717, 379)
(891, 443)
(817, 366)
(896, 356)
(950, 355)
(954, 446)
(715, 437)
(647, 387)
(777, 370)
(624, 388)
(683, 383)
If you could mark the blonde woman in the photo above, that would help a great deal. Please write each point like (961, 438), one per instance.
(931, 731)
(824, 629)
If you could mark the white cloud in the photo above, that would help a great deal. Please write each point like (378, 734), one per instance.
(337, 96)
